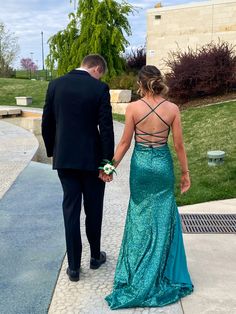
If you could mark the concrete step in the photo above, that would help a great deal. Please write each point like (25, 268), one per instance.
(5, 113)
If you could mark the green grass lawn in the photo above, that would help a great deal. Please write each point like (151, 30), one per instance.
(11, 88)
(206, 128)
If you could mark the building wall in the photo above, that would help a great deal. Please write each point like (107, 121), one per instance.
(193, 25)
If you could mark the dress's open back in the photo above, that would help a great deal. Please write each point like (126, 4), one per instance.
(149, 138)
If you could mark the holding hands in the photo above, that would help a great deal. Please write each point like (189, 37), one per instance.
(105, 177)
(106, 170)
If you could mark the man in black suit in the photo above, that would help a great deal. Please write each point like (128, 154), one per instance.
(77, 129)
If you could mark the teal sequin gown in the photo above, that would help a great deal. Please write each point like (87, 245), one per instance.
(151, 270)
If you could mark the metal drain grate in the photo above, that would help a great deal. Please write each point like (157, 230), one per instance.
(208, 223)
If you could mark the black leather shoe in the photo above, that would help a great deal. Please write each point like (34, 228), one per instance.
(96, 263)
(73, 274)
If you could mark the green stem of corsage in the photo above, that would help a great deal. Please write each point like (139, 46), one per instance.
(108, 166)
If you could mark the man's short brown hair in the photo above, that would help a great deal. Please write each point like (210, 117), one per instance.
(94, 60)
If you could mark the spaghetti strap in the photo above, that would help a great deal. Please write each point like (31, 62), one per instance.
(150, 106)
(152, 110)
(158, 138)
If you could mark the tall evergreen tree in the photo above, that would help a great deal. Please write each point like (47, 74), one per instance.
(98, 26)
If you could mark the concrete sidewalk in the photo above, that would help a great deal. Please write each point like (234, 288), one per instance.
(32, 242)
(212, 263)
(87, 295)
(17, 148)
(211, 257)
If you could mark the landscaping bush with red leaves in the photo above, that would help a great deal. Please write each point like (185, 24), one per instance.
(136, 59)
(206, 71)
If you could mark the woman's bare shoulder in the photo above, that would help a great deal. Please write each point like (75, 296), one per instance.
(132, 105)
(172, 106)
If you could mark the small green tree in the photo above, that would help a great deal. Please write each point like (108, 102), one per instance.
(97, 27)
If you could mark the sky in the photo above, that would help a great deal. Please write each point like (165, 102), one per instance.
(27, 19)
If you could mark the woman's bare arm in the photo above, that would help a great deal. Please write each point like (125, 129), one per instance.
(126, 138)
(180, 151)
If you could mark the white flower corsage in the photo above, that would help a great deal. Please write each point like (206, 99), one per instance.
(107, 166)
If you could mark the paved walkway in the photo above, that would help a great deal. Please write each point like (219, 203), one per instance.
(211, 259)
(32, 242)
(87, 296)
(212, 263)
(17, 148)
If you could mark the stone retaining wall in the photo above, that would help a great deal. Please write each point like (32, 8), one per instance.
(120, 99)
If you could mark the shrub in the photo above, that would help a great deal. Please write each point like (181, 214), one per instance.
(125, 81)
(7, 72)
(136, 59)
(209, 70)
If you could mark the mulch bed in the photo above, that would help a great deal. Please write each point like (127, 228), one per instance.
(208, 100)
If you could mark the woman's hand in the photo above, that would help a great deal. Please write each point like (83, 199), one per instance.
(185, 182)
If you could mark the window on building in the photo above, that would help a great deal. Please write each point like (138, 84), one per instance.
(157, 17)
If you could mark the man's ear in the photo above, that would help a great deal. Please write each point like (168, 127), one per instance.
(99, 69)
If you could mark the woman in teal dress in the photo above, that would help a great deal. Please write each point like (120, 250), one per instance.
(151, 270)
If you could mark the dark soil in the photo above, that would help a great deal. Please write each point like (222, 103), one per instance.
(208, 100)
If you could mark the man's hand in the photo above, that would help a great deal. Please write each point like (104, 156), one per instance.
(105, 177)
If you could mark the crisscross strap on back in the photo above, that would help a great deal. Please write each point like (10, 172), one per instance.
(159, 137)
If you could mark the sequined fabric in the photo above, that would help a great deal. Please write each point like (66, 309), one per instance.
(151, 270)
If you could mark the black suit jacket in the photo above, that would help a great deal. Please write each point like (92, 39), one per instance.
(77, 125)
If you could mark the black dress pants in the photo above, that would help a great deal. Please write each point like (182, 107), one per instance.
(77, 183)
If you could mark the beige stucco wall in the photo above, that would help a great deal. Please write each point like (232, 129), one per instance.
(190, 25)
